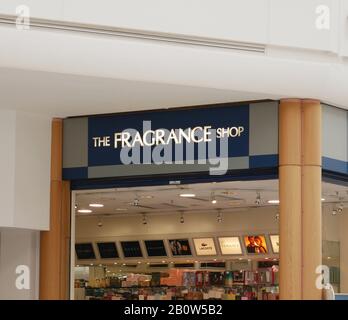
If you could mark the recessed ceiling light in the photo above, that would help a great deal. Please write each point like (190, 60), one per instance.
(240, 259)
(84, 211)
(328, 258)
(187, 195)
(121, 209)
(214, 201)
(323, 199)
(139, 262)
(115, 262)
(163, 261)
(91, 264)
(214, 259)
(273, 201)
(147, 197)
(96, 205)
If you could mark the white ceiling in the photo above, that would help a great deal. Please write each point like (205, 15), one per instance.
(62, 95)
(230, 196)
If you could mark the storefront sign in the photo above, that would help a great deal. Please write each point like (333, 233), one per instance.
(230, 245)
(212, 140)
(205, 246)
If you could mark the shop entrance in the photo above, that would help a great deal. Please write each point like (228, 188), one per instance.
(213, 240)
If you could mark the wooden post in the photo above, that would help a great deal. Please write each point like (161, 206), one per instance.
(290, 280)
(54, 244)
(311, 197)
(300, 197)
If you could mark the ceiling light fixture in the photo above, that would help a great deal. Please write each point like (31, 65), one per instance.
(187, 195)
(121, 209)
(96, 205)
(144, 218)
(273, 201)
(182, 218)
(213, 199)
(147, 197)
(258, 198)
(84, 211)
(100, 223)
(219, 216)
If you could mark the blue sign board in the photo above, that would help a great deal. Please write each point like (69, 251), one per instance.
(210, 139)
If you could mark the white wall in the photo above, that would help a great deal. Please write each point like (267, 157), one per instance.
(18, 247)
(24, 170)
(288, 23)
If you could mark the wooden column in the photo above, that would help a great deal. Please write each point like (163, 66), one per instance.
(54, 244)
(300, 197)
(311, 197)
(290, 199)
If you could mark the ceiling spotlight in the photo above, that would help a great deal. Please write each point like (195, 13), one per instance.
(334, 212)
(136, 202)
(323, 199)
(219, 216)
(187, 195)
(214, 201)
(182, 219)
(277, 216)
(100, 223)
(144, 219)
(75, 206)
(340, 208)
(258, 198)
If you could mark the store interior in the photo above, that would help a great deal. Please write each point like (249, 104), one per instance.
(216, 240)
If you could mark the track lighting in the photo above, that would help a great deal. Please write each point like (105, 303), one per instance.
(340, 208)
(258, 198)
(213, 199)
(277, 216)
(144, 219)
(219, 216)
(182, 219)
